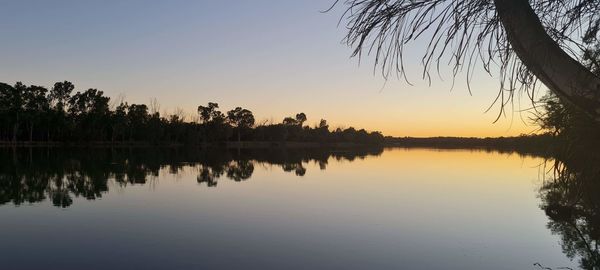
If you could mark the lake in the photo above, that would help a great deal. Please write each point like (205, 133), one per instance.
(137, 208)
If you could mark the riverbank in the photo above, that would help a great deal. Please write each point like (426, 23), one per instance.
(246, 144)
(538, 145)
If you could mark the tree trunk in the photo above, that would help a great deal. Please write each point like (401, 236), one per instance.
(31, 132)
(15, 129)
(112, 135)
(562, 74)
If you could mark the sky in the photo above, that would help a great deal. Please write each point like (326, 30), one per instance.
(274, 57)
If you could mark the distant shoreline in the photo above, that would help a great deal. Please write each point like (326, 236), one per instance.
(247, 144)
(532, 144)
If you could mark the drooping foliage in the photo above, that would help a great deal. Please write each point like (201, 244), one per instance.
(465, 34)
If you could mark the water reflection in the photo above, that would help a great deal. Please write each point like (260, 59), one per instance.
(571, 201)
(32, 175)
(569, 197)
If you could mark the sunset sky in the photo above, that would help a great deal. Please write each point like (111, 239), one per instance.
(274, 57)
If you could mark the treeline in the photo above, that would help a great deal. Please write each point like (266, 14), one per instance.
(37, 114)
(539, 145)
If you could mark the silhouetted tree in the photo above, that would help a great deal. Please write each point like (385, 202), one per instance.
(323, 124)
(210, 113)
(567, 123)
(137, 118)
(525, 40)
(5, 117)
(36, 106)
(59, 97)
(289, 121)
(300, 118)
(213, 123)
(241, 119)
(119, 121)
(86, 116)
(15, 100)
(90, 112)
(60, 94)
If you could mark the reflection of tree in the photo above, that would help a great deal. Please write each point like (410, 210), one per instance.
(240, 170)
(31, 175)
(323, 165)
(297, 168)
(209, 176)
(571, 202)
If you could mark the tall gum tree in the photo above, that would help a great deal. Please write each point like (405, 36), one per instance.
(527, 40)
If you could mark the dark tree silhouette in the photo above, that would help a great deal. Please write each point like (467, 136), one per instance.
(60, 94)
(137, 118)
(90, 113)
(34, 114)
(241, 119)
(210, 114)
(524, 40)
(300, 118)
(59, 97)
(36, 106)
(14, 101)
(213, 123)
(289, 121)
(323, 124)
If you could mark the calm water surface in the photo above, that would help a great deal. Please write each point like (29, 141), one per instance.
(273, 209)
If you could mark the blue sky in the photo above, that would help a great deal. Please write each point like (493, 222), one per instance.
(274, 57)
